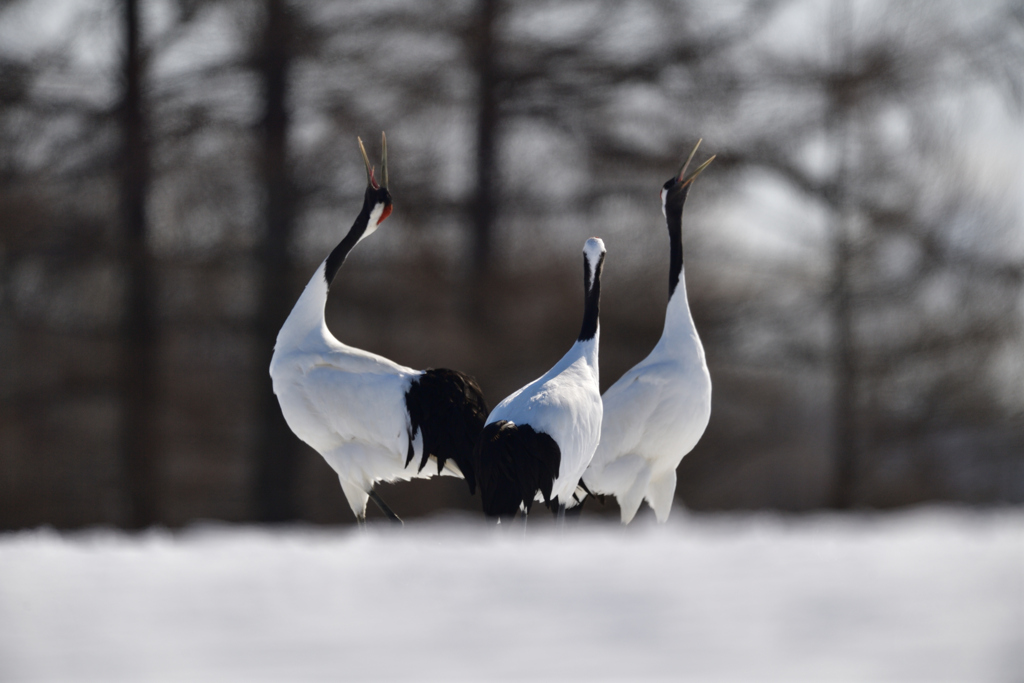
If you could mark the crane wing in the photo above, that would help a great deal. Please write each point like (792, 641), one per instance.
(356, 406)
(629, 405)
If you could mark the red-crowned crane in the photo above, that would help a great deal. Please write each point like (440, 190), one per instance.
(655, 413)
(538, 441)
(369, 417)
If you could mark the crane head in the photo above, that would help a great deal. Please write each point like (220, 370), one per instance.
(675, 189)
(377, 199)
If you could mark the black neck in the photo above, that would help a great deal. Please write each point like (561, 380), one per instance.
(340, 252)
(591, 299)
(674, 219)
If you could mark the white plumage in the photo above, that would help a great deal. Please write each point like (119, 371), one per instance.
(538, 441)
(656, 413)
(368, 416)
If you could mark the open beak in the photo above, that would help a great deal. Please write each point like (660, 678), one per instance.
(366, 160)
(682, 169)
(697, 171)
(370, 180)
(693, 176)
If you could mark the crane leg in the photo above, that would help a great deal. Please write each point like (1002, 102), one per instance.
(384, 507)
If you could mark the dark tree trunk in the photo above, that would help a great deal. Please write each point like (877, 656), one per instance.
(844, 369)
(138, 443)
(276, 455)
(844, 372)
(485, 201)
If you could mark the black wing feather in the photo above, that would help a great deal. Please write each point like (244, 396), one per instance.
(515, 462)
(449, 409)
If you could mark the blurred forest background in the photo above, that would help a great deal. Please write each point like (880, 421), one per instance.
(172, 172)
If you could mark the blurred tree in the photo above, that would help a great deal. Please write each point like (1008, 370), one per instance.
(140, 447)
(841, 123)
(486, 52)
(860, 131)
(886, 77)
(845, 386)
(276, 459)
(59, 274)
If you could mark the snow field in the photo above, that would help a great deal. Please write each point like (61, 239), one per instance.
(927, 595)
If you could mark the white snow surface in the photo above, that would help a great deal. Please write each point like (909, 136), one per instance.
(925, 595)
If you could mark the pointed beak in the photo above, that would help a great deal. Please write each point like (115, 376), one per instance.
(369, 169)
(693, 176)
(383, 160)
(686, 164)
(697, 172)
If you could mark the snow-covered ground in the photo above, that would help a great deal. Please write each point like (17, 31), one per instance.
(928, 595)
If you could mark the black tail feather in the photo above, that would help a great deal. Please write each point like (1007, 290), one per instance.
(514, 463)
(448, 409)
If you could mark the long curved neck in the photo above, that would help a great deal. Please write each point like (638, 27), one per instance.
(586, 345)
(678, 319)
(338, 255)
(591, 300)
(680, 334)
(307, 316)
(674, 219)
